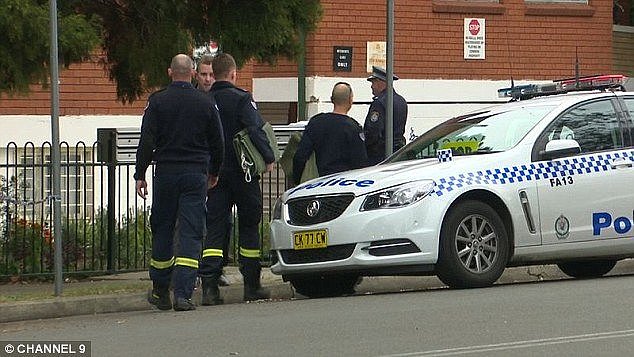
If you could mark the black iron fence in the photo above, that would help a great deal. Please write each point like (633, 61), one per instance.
(105, 225)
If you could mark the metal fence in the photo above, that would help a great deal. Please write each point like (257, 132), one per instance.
(105, 224)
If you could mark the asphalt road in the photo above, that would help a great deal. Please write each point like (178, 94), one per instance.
(547, 318)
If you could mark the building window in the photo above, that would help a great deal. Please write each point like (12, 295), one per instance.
(76, 183)
(473, 7)
(623, 12)
(559, 1)
(573, 8)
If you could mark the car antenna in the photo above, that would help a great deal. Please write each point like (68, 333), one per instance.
(576, 67)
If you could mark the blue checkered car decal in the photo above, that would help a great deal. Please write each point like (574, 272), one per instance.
(444, 155)
(538, 171)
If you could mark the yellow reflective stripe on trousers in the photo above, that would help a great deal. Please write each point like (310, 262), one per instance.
(212, 253)
(250, 253)
(162, 264)
(187, 262)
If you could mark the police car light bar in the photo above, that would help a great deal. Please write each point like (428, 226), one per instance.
(602, 82)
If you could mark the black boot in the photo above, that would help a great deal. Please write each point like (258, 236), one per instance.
(159, 296)
(253, 290)
(211, 293)
(183, 304)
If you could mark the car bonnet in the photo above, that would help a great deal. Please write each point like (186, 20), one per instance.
(370, 179)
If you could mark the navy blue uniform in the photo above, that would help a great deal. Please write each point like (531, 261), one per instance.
(181, 132)
(337, 141)
(237, 111)
(374, 126)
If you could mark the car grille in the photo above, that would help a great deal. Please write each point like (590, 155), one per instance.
(334, 252)
(330, 207)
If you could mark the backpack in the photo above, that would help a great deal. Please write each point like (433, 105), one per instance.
(249, 158)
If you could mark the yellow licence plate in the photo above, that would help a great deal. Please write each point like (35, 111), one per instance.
(310, 239)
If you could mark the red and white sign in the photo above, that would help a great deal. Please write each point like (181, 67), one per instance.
(474, 27)
(474, 38)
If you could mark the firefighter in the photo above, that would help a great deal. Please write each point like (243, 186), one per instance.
(237, 111)
(181, 132)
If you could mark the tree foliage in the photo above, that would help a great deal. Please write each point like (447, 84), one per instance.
(139, 37)
(25, 42)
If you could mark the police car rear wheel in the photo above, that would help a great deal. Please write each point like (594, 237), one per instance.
(325, 285)
(587, 269)
(474, 246)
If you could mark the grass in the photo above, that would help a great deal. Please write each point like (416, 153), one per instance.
(36, 292)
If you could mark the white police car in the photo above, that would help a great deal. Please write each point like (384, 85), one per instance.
(541, 180)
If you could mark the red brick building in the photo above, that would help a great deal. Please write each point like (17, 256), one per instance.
(527, 40)
(524, 39)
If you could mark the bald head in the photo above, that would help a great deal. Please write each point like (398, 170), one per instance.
(181, 68)
(341, 97)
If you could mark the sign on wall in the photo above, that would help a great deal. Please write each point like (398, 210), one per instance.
(376, 55)
(474, 38)
(342, 58)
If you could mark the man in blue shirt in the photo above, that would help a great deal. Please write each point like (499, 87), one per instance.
(237, 112)
(181, 132)
(336, 138)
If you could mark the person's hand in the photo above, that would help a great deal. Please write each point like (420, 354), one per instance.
(212, 181)
(269, 167)
(141, 188)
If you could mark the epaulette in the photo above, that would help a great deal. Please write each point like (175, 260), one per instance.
(242, 92)
(352, 121)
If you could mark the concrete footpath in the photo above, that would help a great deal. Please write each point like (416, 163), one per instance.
(128, 291)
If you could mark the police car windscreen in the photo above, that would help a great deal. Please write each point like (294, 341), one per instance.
(476, 134)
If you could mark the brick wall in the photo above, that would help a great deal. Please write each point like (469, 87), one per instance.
(526, 41)
(534, 41)
(84, 89)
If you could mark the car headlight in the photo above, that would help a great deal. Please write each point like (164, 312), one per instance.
(277, 209)
(398, 196)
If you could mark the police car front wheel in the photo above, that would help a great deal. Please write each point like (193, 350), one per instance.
(587, 269)
(473, 246)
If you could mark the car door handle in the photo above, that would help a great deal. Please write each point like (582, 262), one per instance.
(621, 163)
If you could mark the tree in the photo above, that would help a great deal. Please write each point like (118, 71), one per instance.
(139, 37)
(25, 44)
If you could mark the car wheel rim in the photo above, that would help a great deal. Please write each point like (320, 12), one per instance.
(476, 244)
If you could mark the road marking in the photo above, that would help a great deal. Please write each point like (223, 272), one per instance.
(518, 344)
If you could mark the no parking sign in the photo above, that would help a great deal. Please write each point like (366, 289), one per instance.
(474, 38)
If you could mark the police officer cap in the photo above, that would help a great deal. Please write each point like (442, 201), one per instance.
(379, 73)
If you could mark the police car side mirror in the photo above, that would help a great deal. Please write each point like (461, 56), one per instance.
(560, 148)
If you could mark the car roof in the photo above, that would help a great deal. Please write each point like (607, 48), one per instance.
(558, 99)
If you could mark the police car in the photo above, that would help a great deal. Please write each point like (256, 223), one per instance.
(541, 179)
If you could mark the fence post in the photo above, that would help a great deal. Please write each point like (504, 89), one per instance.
(107, 153)
(112, 244)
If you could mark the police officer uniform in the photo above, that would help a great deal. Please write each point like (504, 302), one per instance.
(181, 132)
(337, 141)
(374, 126)
(237, 111)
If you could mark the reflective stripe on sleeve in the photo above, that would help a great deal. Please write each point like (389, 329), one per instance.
(162, 264)
(187, 262)
(249, 253)
(212, 253)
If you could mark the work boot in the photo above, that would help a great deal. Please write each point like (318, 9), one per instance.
(183, 304)
(211, 293)
(253, 290)
(256, 292)
(159, 296)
